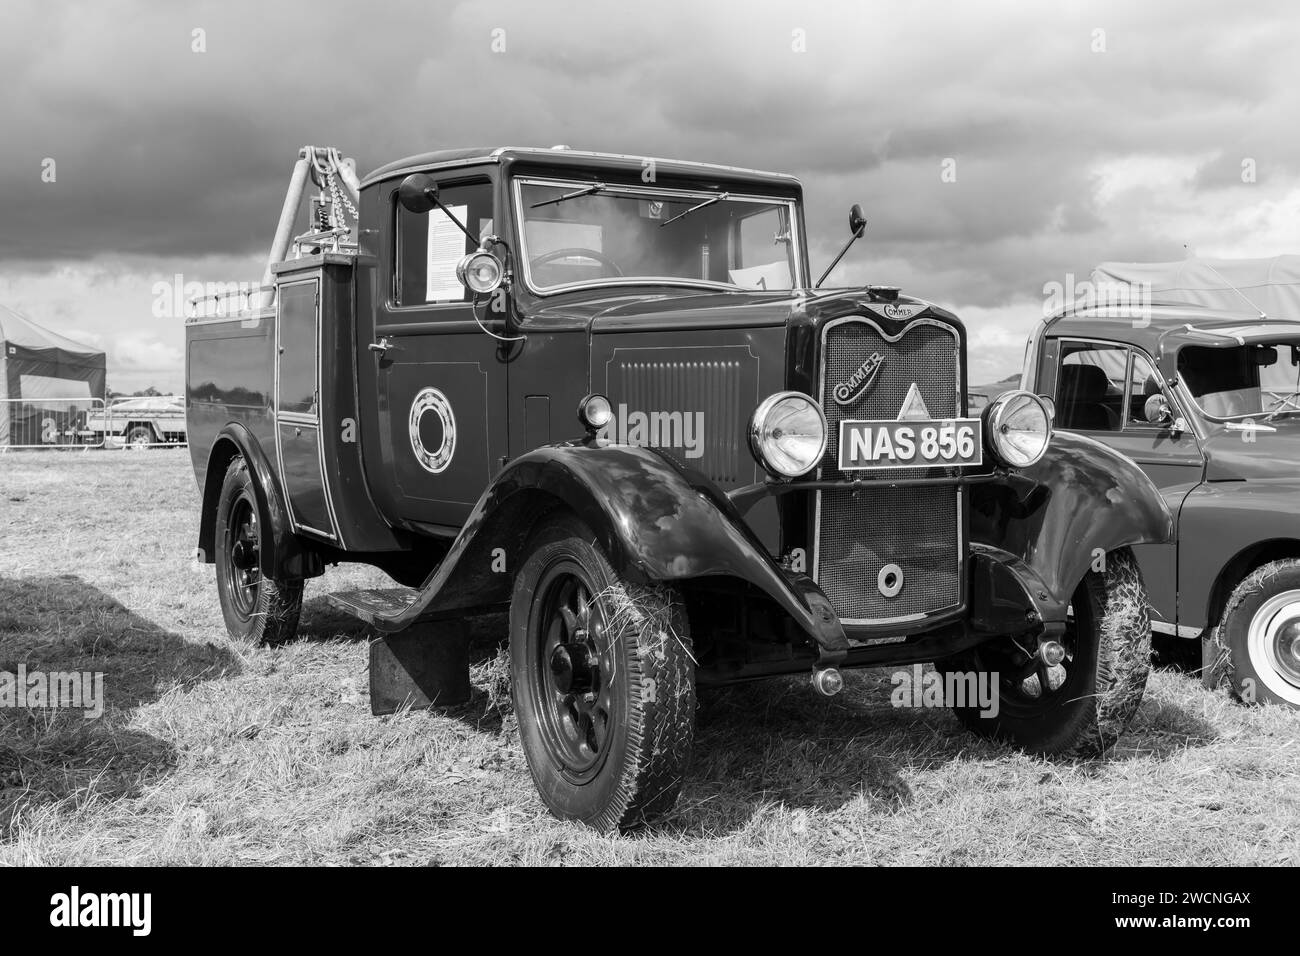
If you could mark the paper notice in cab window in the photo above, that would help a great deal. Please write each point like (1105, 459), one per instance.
(446, 249)
(774, 275)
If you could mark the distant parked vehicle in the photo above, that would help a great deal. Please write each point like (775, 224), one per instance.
(138, 422)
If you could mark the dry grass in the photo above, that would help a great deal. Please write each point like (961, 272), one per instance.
(212, 753)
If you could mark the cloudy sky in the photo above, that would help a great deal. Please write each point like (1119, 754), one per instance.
(1071, 133)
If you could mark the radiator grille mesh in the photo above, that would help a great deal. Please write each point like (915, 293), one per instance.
(863, 529)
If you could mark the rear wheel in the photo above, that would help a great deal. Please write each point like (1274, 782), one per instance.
(603, 683)
(257, 609)
(1255, 649)
(1079, 707)
(141, 436)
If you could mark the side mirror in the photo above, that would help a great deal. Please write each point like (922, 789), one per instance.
(857, 221)
(418, 193)
(1157, 410)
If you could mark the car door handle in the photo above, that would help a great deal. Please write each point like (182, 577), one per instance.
(380, 347)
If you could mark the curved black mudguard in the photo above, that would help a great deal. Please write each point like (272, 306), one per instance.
(1082, 500)
(655, 522)
(287, 559)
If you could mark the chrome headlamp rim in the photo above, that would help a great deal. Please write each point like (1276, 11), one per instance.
(467, 262)
(755, 432)
(994, 418)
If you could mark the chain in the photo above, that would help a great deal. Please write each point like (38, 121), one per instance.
(340, 201)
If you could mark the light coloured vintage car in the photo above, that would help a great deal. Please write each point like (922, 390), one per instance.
(139, 422)
(1195, 376)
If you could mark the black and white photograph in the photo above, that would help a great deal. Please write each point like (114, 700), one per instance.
(551, 433)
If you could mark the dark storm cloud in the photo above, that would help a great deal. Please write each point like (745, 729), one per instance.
(163, 151)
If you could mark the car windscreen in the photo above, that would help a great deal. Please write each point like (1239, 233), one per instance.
(578, 234)
(1260, 378)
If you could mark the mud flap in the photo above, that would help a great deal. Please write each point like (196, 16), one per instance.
(424, 666)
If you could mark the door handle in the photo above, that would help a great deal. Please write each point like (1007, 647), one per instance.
(380, 347)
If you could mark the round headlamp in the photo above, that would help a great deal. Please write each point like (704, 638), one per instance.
(787, 434)
(1017, 428)
(480, 272)
(594, 412)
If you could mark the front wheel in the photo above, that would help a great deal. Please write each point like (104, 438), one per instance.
(603, 682)
(1079, 707)
(1256, 647)
(257, 609)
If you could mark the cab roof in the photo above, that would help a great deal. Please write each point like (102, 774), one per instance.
(564, 156)
(1163, 326)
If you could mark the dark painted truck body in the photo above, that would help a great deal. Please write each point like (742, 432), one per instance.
(380, 411)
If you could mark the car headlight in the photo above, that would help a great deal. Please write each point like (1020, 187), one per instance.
(787, 434)
(1017, 428)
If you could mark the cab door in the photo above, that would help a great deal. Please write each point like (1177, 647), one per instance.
(437, 433)
(1101, 390)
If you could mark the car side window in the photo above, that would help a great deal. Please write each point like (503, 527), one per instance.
(1090, 386)
(429, 245)
(1143, 382)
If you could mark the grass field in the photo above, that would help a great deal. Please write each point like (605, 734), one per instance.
(213, 753)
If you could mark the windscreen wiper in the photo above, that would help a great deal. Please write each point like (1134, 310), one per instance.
(584, 191)
(684, 214)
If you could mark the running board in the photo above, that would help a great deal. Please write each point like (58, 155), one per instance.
(376, 606)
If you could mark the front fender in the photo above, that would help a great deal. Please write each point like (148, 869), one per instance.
(655, 521)
(1082, 499)
(1224, 530)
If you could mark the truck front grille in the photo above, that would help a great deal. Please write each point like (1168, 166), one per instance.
(861, 530)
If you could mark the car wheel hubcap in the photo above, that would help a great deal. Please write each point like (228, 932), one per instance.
(1273, 644)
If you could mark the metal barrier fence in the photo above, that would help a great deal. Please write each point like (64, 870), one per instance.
(86, 423)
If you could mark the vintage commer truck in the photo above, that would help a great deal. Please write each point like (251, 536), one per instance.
(605, 393)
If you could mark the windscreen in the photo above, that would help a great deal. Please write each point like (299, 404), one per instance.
(578, 234)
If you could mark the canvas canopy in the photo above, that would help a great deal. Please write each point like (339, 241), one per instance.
(47, 371)
(1271, 285)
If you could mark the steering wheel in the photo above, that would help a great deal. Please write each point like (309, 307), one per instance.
(580, 252)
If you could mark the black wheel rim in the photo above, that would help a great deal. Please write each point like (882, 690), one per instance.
(573, 677)
(243, 577)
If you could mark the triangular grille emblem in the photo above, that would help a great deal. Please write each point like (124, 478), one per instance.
(914, 409)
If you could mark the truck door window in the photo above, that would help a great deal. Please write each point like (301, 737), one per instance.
(1143, 382)
(429, 245)
(1090, 388)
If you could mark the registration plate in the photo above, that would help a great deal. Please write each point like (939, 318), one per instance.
(949, 442)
